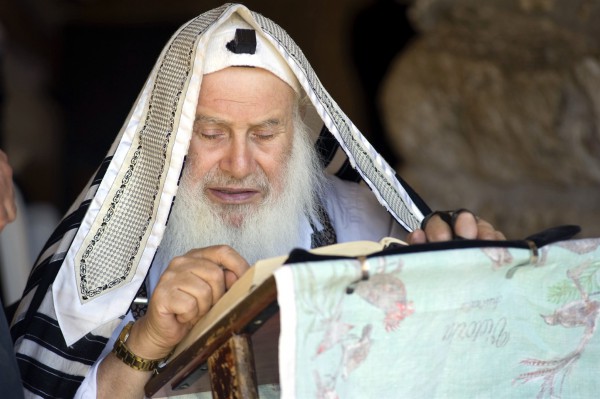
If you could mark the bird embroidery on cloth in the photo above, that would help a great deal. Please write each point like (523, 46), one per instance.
(499, 256)
(387, 292)
(579, 247)
(325, 390)
(356, 352)
(335, 331)
(578, 313)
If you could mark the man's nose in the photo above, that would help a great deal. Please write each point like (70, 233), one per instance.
(238, 160)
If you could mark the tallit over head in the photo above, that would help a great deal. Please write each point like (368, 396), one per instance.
(95, 262)
(235, 43)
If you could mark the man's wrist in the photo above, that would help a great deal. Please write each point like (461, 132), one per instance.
(128, 356)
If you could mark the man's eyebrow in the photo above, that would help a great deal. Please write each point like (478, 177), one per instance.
(273, 122)
(209, 120)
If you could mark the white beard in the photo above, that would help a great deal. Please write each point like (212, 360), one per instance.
(269, 229)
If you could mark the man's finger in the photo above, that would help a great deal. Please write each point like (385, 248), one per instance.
(224, 256)
(437, 230)
(485, 231)
(197, 277)
(465, 225)
(416, 237)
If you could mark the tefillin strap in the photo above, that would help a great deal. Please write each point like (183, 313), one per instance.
(326, 236)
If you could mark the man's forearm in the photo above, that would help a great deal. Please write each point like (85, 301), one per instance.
(115, 379)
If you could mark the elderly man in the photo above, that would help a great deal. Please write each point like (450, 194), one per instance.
(234, 98)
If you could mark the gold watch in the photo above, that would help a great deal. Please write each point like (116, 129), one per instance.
(123, 353)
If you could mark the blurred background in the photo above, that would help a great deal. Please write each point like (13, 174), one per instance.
(490, 105)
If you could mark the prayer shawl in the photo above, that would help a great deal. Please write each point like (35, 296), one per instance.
(93, 264)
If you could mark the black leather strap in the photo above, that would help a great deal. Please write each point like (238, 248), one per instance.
(450, 217)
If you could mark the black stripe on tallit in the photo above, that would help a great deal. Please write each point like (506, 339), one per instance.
(102, 170)
(423, 207)
(72, 221)
(45, 331)
(326, 236)
(36, 275)
(48, 382)
(347, 172)
(326, 146)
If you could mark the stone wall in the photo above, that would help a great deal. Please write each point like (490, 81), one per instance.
(496, 107)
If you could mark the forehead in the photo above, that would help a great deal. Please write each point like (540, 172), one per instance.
(244, 90)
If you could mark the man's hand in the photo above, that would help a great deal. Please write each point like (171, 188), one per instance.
(8, 207)
(186, 291)
(445, 226)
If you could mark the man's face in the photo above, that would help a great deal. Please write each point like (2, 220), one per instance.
(242, 138)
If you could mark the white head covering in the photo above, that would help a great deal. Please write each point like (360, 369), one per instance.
(236, 43)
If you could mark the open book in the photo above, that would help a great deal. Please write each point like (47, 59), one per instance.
(261, 272)
(248, 307)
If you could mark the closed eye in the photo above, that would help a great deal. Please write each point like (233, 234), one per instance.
(211, 134)
(209, 128)
(264, 135)
(268, 129)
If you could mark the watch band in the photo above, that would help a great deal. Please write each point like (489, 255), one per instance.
(134, 361)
